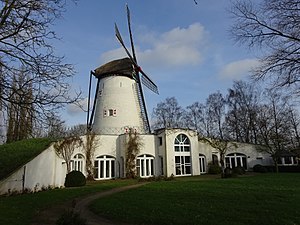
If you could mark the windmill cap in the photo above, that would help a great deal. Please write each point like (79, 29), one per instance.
(120, 66)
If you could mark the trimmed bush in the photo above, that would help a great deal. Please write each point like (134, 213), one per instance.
(239, 170)
(227, 173)
(214, 169)
(75, 179)
(259, 169)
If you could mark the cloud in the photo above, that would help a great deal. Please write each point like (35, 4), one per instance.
(75, 109)
(177, 47)
(238, 69)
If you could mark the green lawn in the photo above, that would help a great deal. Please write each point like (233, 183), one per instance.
(263, 199)
(21, 209)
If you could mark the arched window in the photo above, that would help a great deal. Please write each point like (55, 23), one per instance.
(105, 167)
(182, 143)
(145, 165)
(233, 160)
(215, 160)
(202, 163)
(78, 163)
(182, 148)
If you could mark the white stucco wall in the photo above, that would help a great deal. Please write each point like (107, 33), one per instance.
(45, 170)
(252, 154)
(167, 149)
(48, 170)
(118, 93)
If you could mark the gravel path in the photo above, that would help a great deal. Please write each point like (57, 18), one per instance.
(50, 216)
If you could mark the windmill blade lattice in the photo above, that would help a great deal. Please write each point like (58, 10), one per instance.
(149, 83)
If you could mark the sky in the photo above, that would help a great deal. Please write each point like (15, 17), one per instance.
(185, 48)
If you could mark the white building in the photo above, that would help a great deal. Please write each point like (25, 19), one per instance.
(169, 152)
(120, 106)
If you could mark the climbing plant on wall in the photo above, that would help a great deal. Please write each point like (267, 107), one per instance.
(65, 149)
(90, 147)
(133, 146)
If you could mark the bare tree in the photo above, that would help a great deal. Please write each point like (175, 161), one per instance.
(26, 47)
(274, 125)
(194, 117)
(20, 111)
(168, 114)
(242, 102)
(78, 130)
(66, 147)
(294, 118)
(274, 27)
(222, 146)
(56, 127)
(215, 104)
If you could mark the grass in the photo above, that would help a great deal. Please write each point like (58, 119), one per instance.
(264, 199)
(21, 209)
(16, 154)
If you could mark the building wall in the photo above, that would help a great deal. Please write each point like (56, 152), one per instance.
(148, 147)
(49, 170)
(252, 154)
(166, 150)
(45, 170)
(118, 93)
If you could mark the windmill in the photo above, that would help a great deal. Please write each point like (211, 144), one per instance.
(119, 102)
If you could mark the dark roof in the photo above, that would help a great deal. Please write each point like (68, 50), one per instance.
(117, 67)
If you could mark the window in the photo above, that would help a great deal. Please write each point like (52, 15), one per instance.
(160, 141)
(233, 160)
(182, 143)
(202, 163)
(287, 160)
(161, 165)
(183, 165)
(104, 167)
(110, 112)
(182, 148)
(145, 165)
(215, 160)
(78, 163)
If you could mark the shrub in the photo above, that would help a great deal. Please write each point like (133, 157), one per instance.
(227, 172)
(259, 169)
(70, 218)
(214, 169)
(157, 179)
(75, 179)
(238, 170)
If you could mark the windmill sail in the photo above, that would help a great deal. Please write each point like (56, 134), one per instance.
(143, 79)
(149, 83)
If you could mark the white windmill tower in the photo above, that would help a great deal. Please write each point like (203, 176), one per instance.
(119, 102)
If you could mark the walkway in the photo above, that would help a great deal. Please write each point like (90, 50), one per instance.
(50, 216)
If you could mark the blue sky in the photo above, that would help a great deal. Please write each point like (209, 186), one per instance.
(184, 47)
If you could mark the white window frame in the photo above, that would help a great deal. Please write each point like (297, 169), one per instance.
(202, 164)
(105, 167)
(145, 166)
(78, 162)
(292, 159)
(183, 160)
(236, 159)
